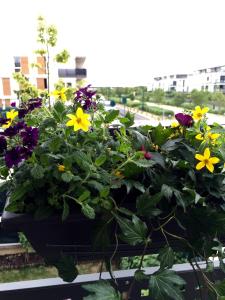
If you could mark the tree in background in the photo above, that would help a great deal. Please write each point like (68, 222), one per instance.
(200, 97)
(217, 99)
(179, 98)
(158, 95)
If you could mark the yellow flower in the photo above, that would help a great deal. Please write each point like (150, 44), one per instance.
(198, 113)
(199, 137)
(60, 94)
(11, 116)
(175, 124)
(79, 120)
(212, 136)
(119, 174)
(206, 161)
(61, 168)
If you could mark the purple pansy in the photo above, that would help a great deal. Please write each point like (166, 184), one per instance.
(13, 104)
(4, 121)
(184, 119)
(34, 103)
(22, 113)
(14, 156)
(30, 137)
(84, 97)
(11, 131)
(3, 144)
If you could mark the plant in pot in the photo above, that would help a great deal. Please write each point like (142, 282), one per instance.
(82, 183)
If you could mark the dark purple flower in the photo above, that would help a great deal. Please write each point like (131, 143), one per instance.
(14, 156)
(84, 93)
(20, 125)
(4, 121)
(22, 113)
(3, 144)
(11, 131)
(34, 103)
(13, 104)
(30, 137)
(184, 119)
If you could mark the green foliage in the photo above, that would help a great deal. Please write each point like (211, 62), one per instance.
(165, 285)
(62, 57)
(101, 290)
(158, 111)
(199, 97)
(158, 95)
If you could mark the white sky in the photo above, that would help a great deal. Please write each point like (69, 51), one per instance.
(126, 41)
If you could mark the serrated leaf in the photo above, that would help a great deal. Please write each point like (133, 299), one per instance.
(88, 211)
(100, 160)
(144, 163)
(166, 285)
(133, 232)
(111, 115)
(146, 203)
(166, 257)
(101, 290)
(37, 171)
(67, 176)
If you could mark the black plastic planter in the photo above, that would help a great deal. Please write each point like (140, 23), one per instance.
(52, 237)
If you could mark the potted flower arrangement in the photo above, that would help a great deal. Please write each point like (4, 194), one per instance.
(84, 181)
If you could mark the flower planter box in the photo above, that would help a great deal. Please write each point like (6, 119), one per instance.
(51, 237)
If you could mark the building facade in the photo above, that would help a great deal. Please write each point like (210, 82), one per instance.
(37, 76)
(209, 79)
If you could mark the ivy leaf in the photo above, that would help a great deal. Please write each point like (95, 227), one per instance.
(111, 115)
(166, 285)
(37, 171)
(166, 257)
(101, 290)
(66, 268)
(133, 232)
(146, 203)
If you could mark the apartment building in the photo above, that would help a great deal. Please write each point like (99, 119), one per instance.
(37, 76)
(208, 79)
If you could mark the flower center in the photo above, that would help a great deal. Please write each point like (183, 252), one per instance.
(78, 120)
(206, 161)
(199, 115)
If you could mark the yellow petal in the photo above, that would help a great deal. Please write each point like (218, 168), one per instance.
(199, 157)
(197, 108)
(215, 136)
(210, 167)
(205, 110)
(199, 137)
(214, 160)
(70, 123)
(71, 116)
(200, 165)
(207, 153)
(84, 127)
(79, 113)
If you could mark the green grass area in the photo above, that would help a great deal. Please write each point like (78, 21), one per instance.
(27, 273)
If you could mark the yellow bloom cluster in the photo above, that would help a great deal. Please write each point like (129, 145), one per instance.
(11, 115)
(206, 161)
(79, 120)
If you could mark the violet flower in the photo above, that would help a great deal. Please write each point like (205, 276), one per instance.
(14, 156)
(3, 144)
(184, 119)
(30, 137)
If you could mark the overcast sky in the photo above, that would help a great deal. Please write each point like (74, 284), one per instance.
(125, 41)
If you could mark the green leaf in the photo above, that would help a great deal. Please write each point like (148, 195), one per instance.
(37, 171)
(220, 287)
(167, 191)
(127, 120)
(101, 290)
(111, 115)
(66, 210)
(171, 145)
(146, 203)
(55, 143)
(88, 211)
(166, 285)
(84, 196)
(133, 232)
(66, 268)
(144, 163)
(166, 257)
(67, 176)
(15, 206)
(139, 275)
(18, 193)
(59, 107)
(100, 160)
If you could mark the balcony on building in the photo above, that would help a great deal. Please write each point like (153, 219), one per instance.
(79, 73)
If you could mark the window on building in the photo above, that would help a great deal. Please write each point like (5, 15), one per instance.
(69, 84)
(174, 83)
(17, 64)
(222, 78)
(206, 87)
(207, 78)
